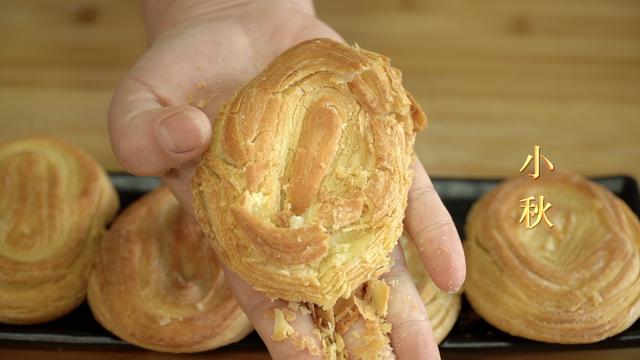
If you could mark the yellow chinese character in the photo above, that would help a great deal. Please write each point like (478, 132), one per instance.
(536, 162)
(534, 210)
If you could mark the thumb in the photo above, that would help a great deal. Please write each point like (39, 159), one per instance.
(149, 138)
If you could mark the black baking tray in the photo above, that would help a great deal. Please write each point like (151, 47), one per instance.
(78, 329)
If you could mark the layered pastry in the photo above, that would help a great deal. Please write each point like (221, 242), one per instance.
(443, 308)
(573, 279)
(55, 202)
(303, 189)
(156, 282)
(355, 328)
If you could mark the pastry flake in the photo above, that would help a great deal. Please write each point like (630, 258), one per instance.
(355, 328)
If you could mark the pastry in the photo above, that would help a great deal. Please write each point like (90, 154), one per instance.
(443, 308)
(303, 189)
(577, 281)
(156, 282)
(355, 328)
(55, 202)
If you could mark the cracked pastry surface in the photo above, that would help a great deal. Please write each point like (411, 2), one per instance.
(55, 202)
(303, 189)
(577, 282)
(156, 282)
(443, 308)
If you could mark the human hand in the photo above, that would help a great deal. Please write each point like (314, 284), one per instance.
(201, 53)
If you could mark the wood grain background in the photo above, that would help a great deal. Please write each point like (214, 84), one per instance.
(494, 76)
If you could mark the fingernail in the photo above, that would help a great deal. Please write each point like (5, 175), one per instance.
(181, 132)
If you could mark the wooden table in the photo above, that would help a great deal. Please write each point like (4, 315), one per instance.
(494, 76)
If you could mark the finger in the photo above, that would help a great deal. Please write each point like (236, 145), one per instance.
(411, 334)
(430, 226)
(179, 182)
(260, 310)
(149, 138)
(311, 30)
(302, 26)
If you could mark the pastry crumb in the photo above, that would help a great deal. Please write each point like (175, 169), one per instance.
(296, 222)
(289, 315)
(281, 328)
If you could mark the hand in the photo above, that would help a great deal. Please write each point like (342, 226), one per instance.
(201, 53)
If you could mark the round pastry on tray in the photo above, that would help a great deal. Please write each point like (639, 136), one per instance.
(55, 202)
(577, 281)
(443, 308)
(156, 282)
(303, 189)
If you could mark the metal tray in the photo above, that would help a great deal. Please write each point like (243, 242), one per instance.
(78, 329)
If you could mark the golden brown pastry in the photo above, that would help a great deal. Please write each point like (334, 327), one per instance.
(303, 189)
(443, 308)
(156, 282)
(575, 282)
(55, 202)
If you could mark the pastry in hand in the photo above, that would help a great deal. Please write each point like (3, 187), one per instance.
(443, 308)
(55, 202)
(303, 189)
(355, 328)
(577, 281)
(156, 282)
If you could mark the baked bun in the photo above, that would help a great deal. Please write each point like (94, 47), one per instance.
(55, 202)
(303, 189)
(575, 282)
(156, 282)
(443, 308)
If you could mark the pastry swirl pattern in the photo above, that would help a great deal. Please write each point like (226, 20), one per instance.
(55, 202)
(576, 282)
(157, 284)
(303, 189)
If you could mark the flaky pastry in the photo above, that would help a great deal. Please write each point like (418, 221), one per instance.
(575, 282)
(156, 282)
(443, 308)
(55, 202)
(303, 189)
(355, 328)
